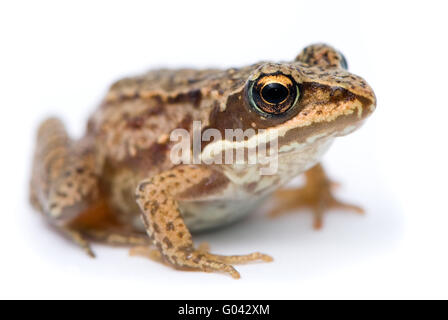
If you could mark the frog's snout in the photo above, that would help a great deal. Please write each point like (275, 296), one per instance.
(368, 101)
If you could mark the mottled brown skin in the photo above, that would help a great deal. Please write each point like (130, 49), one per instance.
(94, 188)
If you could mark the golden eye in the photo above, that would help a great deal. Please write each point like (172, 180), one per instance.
(273, 94)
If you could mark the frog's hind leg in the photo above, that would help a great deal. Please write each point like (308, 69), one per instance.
(316, 194)
(63, 183)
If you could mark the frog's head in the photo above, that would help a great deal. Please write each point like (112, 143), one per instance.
(314, 95)
(307, 101)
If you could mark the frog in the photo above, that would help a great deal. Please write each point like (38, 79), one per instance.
(119, 185)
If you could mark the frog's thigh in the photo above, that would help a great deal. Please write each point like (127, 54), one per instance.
(316, 194)
(63, 182)
(157, 198)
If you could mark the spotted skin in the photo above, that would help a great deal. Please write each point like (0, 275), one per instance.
(64, 186)
(64, 171)
(322, 55)
(118, 185)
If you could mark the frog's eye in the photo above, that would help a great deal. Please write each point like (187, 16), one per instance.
(343, 62)
(273, 94)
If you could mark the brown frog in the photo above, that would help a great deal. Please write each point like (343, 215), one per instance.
(120, 185)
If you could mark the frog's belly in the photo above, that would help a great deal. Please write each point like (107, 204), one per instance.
(209, 214)
(202, 215)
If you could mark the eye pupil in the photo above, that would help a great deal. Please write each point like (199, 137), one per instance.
(274, 93)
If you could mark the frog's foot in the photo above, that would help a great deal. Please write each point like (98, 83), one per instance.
(316, 195)
(202, 259)
(157, 199)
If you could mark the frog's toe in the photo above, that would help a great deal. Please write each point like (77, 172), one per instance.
(210, 262)
(346, 206)
(78, 238)
(241, 259)
(323, 205)
(221, 263)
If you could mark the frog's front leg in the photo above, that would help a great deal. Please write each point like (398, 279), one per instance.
(158, 200)
(316, 194)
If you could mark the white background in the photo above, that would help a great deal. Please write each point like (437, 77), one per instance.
(59, 58)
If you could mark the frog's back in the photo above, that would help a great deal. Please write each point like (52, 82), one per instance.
(139, 113)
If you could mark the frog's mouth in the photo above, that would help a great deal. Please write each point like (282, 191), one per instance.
(339, 126)
(297, 132)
